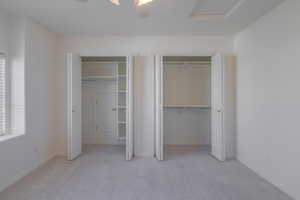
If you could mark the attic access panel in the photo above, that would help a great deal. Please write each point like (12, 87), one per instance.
(215, 9)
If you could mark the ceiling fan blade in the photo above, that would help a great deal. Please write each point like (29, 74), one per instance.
(116, 2)
(137, 2)
(143, 2)
(143, 8)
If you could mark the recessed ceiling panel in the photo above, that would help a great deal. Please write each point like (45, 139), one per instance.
(205, 9)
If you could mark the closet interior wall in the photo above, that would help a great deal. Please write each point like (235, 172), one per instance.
(104, 100)
(186, 94)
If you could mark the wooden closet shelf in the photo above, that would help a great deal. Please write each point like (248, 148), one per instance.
(122, 91)
(94, 78)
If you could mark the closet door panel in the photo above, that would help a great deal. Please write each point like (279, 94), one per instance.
(159, 107)
(217, 108)
(129, 109)
(74, 106)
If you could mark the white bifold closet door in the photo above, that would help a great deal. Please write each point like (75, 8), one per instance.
(217, 107)
(159, 143)
(129, 109)
(74, 106)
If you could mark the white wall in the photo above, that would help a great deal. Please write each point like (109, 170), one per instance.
(144, 46)
(4, 24)
(40, 79)
(186, 126)
(144, 106)
(230, 106)
(20, 155)
(104, 92)
(16, 62)
(268, 97)
(187, 85)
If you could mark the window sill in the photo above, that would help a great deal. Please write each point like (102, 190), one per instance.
(11, 136)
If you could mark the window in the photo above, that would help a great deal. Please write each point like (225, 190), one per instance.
(3, 102)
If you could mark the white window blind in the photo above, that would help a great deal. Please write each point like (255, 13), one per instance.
(2, 95)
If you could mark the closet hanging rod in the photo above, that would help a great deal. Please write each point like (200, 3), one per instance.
(186, 66)
(183, 63)
(94, 78)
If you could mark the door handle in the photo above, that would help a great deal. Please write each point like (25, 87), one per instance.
(114, 109)
(73, 111)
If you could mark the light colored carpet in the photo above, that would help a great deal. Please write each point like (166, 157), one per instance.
(102, 174)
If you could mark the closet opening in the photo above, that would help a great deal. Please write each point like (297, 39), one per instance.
(186, 107)
(106, 105)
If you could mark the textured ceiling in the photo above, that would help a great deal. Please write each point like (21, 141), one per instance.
(166, 17)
